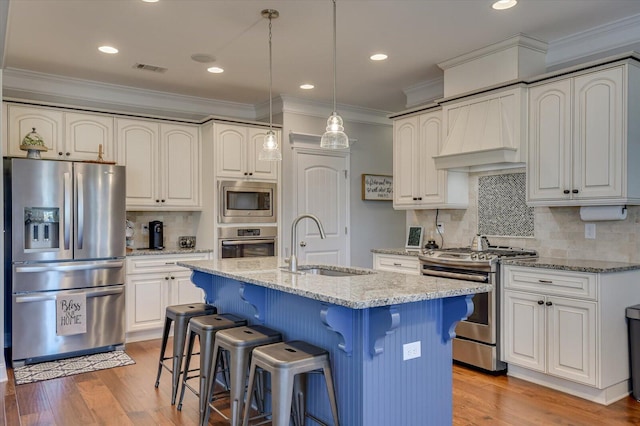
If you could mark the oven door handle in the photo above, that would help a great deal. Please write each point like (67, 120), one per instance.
(242, 242)
(466, 277)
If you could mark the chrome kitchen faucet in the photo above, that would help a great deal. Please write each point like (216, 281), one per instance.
(293, 260)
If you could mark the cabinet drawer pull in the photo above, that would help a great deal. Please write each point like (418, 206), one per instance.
(540, 302)
(169, 263)
(397, 264)
(549, 303)
(575, 191)
(566, 191)
(545, 281)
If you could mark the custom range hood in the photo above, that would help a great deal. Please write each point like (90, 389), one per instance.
(485, 105)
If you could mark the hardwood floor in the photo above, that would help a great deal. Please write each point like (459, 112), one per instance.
(126, 396)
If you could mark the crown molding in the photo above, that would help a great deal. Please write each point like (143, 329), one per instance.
(424, 92)
(354, 114)
(596, 40)
(52, 88)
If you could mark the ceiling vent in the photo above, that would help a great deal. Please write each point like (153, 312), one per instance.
(148, 67)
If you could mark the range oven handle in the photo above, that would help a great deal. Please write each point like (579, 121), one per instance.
(458, 276)
(242, 242)
(39, 297)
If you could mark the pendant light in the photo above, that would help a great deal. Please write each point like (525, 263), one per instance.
(334, 137)
(270, 151)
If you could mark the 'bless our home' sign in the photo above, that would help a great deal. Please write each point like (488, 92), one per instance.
(71, 314)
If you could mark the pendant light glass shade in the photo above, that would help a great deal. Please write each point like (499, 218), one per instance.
(270, 151)
(334, 137)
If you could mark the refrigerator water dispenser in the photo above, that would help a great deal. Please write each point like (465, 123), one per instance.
(41, 228)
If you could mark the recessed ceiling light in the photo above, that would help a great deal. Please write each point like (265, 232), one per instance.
(108, 49)
(504, 4)
(150, 1)
(307, 86)
(378, 57)
(215, 70)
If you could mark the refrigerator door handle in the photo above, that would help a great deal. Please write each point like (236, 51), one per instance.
(67, 210)
(38, 297)
(80, 217)
(71, 267)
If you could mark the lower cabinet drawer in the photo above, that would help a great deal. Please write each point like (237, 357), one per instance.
(551, 282)
(397, 263)
(160, 263)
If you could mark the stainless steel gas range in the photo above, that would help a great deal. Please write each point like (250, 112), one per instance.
(477, 338)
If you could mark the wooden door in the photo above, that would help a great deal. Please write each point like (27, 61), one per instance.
(147, 299)
(405, 159)
(48, 124)
(84, 133)
(322, 190)
(267, 170)
(180, 166)
(431, 185)
(138, 151)
(230, 141)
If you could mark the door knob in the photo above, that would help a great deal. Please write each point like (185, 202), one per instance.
(303, 243)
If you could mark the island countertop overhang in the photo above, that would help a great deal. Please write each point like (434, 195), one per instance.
(374, 288)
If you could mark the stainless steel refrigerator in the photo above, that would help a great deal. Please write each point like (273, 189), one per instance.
(65, 258)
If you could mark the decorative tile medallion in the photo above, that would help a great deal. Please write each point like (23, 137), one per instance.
(502, 208)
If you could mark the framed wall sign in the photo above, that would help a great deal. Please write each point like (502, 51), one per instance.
(377, 187)
(415, 235)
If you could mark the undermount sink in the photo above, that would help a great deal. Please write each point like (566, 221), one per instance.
(330, 272)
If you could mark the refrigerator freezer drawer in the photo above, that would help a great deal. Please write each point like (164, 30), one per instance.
(34, 277)
(34, 318)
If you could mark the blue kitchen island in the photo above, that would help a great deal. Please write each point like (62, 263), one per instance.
(389, 334)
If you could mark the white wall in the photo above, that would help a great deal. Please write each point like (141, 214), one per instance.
(374, 224)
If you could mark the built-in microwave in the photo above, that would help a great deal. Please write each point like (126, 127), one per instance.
(247, 202)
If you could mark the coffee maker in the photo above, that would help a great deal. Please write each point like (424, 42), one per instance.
(156, 237)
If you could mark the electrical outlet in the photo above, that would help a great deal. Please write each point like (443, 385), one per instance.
(590, 231)
(144, 228)
(440, 228)
(411, 350)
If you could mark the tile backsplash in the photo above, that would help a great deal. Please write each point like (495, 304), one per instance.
(175, 224)
(502, 207)
(558, 231)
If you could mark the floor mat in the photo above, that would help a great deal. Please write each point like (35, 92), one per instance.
(70, 366)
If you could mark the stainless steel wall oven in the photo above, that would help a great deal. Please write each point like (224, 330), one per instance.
(478, 337)
(247, 241)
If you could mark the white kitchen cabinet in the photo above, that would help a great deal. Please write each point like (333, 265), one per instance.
(163, 164)
(237, 150)
(567, 329)
(417, 184)
(583, 140)
(153, 283)
(67, 135)
(405, 264)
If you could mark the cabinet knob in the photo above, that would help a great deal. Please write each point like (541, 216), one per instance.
(245, 173)
(415, 198)
(68, 154)
(303, 243)
(59, 152)
(173, 278)
(566, 191)
(419, 198)
(162, 201)
(575, 191)
(549, 303)
(251, 174)
(166, 278)
(540, 302)
(157, 201)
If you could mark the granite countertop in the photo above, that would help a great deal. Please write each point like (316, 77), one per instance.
(396, 251)
(593, 266)
(147, 252)
(373, 288)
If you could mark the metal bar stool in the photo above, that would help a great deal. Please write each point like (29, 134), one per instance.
(238, 342)
(205, 327)
(288, 363)
(180, 315)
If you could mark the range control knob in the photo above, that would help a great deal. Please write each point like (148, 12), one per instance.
(474, 256)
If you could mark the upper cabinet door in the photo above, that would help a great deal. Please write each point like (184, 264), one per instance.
(22, 120)
(432, 181)
(549, 163)
(255, 167)
(598, 140)
(180, 165)
(84, 135)
(138, 150)
(405, 158)
(230, 143)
